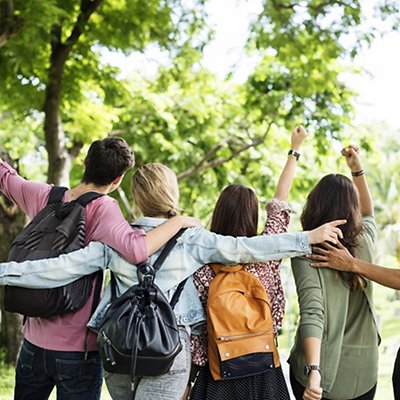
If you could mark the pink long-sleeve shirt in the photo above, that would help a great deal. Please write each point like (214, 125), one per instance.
(103, 222)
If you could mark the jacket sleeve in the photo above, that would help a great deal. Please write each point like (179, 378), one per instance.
(206, 247)
(310, 298)
(54, 272)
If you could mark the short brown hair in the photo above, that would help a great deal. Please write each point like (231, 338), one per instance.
(236, 212)
(106, 160)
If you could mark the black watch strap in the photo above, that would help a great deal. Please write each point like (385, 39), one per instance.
(294, 153)
(311, 367)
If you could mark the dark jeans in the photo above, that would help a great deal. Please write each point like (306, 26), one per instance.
(396, 377)
(39, 370)
(298, 390)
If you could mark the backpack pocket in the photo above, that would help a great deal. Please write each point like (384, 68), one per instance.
(246, 355)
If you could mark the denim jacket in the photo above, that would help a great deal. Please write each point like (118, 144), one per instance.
(196, 247)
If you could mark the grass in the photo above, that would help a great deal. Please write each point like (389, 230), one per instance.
(387, 303)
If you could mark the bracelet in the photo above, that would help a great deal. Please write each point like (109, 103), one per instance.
(294, 153)
(358, 173)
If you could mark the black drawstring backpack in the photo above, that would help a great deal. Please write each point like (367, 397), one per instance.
(139, 335)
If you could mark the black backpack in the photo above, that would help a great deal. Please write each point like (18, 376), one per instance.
(58, 228)
(139, 335)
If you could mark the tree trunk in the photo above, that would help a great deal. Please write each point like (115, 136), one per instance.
(12, 221)
(60, 157)
(59, 160)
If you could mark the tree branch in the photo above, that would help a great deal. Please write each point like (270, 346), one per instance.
(74, 150)
(88, 7)
(203, 164)
(9, 22)
(125, 201)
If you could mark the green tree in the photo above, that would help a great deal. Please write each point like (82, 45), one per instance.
(53, 78)
(53, 64)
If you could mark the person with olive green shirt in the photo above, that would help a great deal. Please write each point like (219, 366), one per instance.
(335, 355)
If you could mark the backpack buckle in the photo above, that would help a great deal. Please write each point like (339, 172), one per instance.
(145, 274)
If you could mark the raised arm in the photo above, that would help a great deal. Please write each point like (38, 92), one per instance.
(287, 174)
(352, 156)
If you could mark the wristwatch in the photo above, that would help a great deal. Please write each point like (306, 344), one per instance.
(309, 368)
(294, 153)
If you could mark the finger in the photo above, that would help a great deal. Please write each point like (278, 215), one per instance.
(328, 247)
(319, 250)
(320, 265)
(331, 239)
(339, 246)
(337, 222)
(355, 147)
(354, 153)
(317, 257)
(338, 233)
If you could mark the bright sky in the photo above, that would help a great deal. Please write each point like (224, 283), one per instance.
(379, 93)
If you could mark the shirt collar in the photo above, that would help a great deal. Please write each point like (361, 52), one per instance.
(150, 222)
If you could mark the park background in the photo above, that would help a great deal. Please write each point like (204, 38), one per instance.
(211, 88)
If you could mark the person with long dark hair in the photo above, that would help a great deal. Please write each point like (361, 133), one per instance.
(335, 354)
(236, 214)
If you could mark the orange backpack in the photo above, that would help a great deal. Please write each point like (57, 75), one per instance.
(241, 340)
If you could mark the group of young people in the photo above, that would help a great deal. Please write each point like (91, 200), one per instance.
(335, 355)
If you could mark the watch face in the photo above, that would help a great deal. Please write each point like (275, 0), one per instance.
(306, 370)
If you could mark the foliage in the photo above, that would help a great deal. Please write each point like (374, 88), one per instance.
(64, 40)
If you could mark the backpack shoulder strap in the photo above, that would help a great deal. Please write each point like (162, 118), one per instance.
(177, 293)
(86, 198)
(166, 250)
(56, 194)
(113, 284)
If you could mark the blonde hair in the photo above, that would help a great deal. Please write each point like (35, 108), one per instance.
(155, 190)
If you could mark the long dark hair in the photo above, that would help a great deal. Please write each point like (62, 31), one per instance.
(335, 197)
(236, 212)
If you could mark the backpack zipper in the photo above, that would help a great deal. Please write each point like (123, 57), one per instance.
(246, 335)
(108, 349)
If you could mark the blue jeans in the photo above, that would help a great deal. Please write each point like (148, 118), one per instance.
(39, 370)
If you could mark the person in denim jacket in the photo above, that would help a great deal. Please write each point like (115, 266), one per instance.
(155, 191)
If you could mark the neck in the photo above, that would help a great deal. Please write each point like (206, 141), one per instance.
(83, 188)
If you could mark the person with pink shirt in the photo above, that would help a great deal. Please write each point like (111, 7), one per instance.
(64, 352)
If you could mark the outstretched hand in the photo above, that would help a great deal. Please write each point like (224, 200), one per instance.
(336, 257)
(328, 232)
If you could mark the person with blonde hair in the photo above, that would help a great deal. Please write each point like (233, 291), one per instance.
(152, 184)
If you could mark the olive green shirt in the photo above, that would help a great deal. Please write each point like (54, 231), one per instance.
(345, 322)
